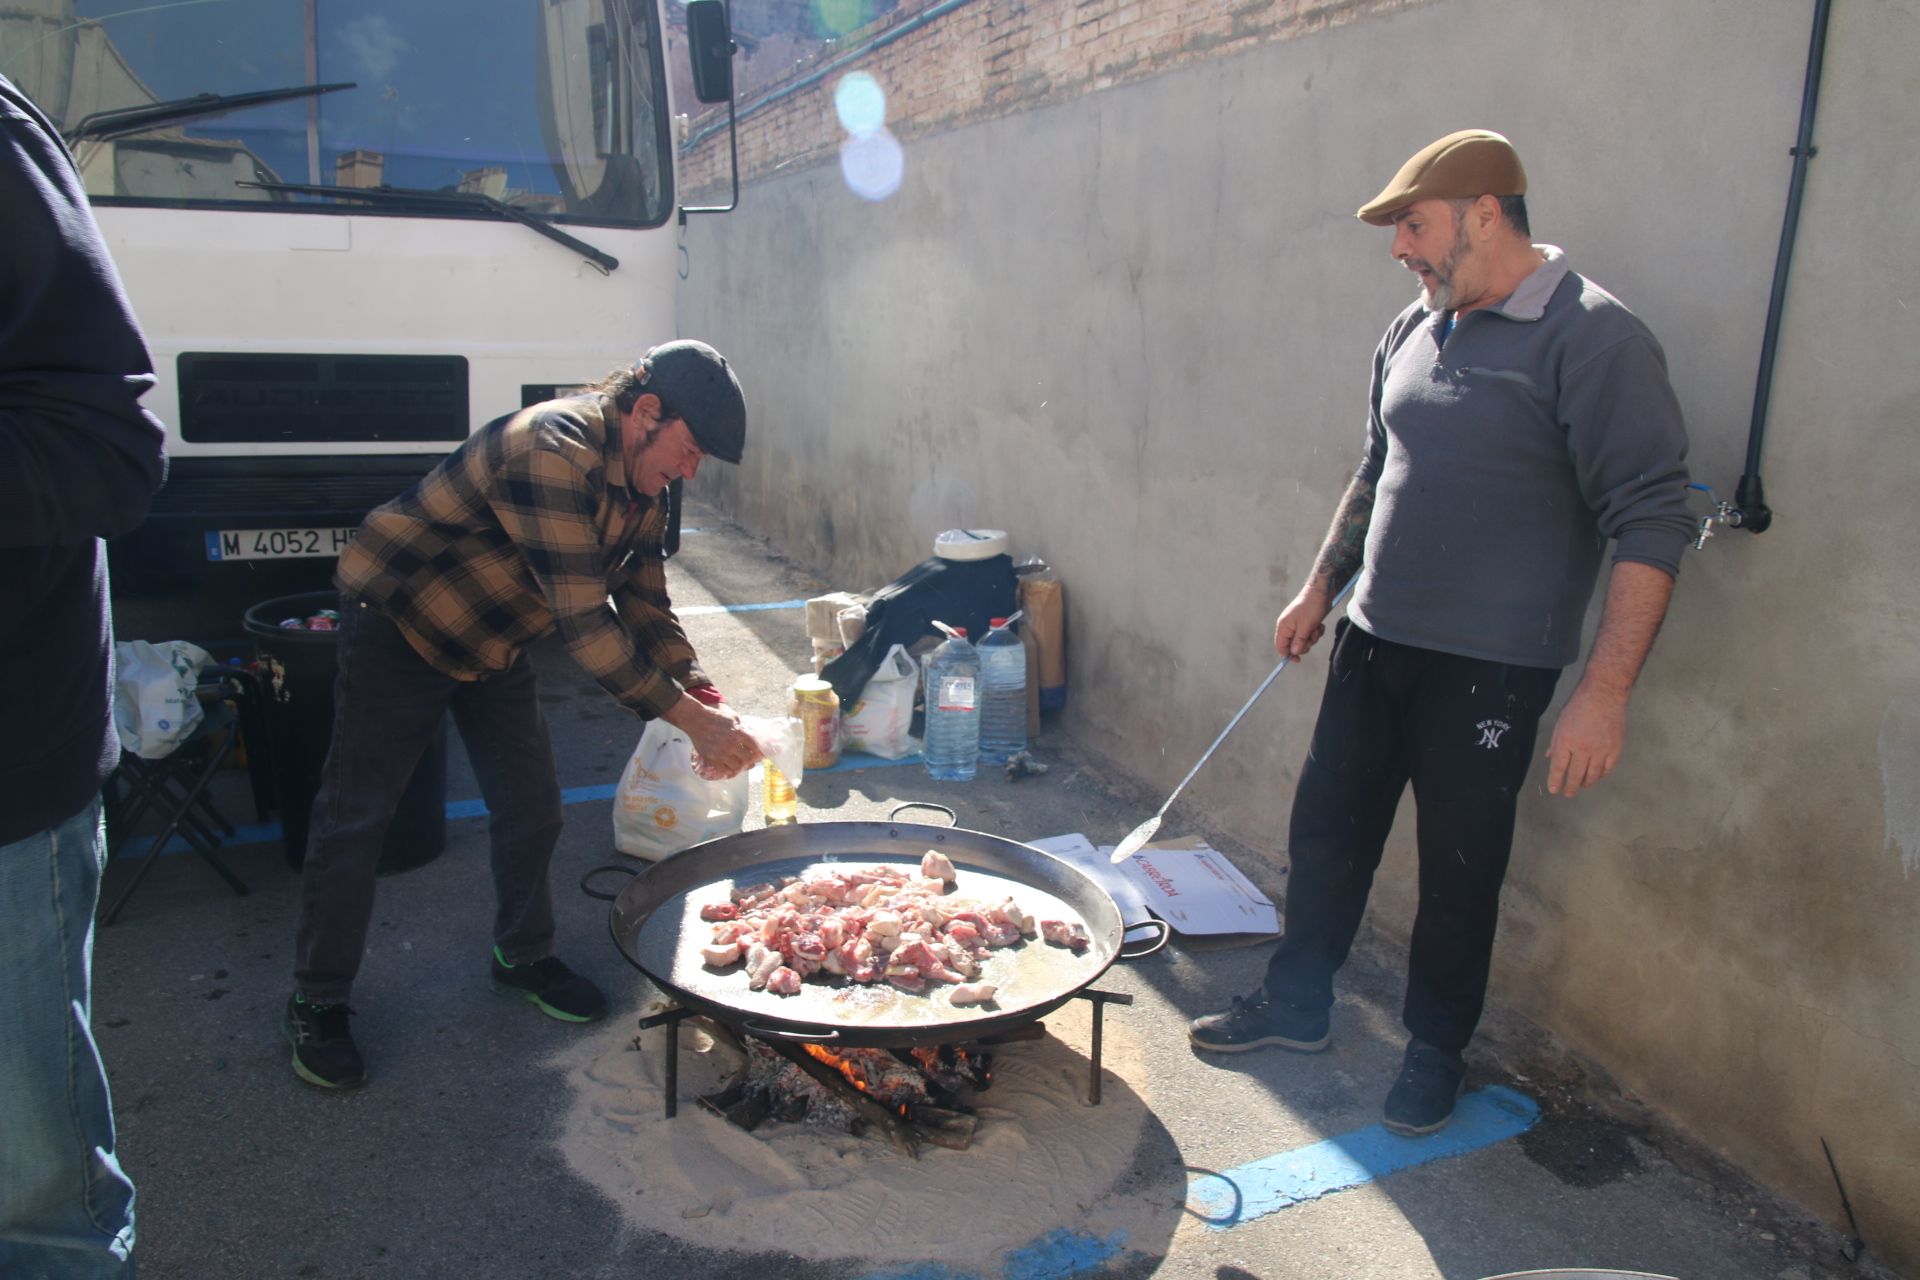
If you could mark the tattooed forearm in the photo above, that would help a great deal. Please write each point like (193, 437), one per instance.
(1346, 544)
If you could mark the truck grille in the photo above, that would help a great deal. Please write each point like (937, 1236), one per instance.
(287, 398)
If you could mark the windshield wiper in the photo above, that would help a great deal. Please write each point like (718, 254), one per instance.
(125, 120)
(417, 196)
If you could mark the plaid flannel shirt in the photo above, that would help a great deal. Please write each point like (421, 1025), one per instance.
(527, 528)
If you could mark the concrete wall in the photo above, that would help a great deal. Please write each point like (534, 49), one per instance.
(1132, 326)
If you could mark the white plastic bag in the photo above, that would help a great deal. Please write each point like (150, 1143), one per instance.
(883, 713)
(662, 806)
(782, 743)
(154, 705)
(781, 739)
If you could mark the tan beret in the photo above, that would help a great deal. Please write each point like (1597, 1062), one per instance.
(1460, 166)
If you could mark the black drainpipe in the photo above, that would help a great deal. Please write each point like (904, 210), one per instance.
(1750, 510)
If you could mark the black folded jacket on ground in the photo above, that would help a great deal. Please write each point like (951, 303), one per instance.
(960, 593)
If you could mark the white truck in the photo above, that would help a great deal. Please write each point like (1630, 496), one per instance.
(355, 230)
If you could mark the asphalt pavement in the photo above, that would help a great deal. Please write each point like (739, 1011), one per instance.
(493, 1142)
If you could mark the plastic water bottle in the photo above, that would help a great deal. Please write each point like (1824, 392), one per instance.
(953, 707)
(1003, 697)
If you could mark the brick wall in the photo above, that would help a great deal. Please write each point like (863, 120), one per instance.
(947, 63)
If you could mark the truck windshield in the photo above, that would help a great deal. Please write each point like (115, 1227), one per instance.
(555, 107)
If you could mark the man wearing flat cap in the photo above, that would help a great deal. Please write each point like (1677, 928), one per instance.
(546, 520)
(1520, 419)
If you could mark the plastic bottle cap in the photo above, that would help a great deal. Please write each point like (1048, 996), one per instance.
(961, 632)
(996, 622)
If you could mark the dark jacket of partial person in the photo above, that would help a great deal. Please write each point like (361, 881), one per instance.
(79, 461)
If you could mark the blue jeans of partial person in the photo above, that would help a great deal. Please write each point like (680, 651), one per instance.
(66, 1208)
(387, 707)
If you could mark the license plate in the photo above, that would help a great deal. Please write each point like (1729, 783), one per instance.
(275, 544)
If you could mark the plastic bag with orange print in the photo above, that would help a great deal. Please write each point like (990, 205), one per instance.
(662, 806)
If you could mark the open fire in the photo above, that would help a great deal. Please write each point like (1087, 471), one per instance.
(912, 1096)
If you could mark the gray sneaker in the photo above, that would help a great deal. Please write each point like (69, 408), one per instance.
(1254, 1022)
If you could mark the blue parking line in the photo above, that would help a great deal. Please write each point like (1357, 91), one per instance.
(1058, 1255)
(1256, 1189)
(1261, 1187)
(270, 832)
(699, 610)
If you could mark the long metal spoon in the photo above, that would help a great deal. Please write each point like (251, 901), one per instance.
(1139, 836)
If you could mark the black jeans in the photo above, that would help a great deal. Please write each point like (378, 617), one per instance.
(1462, 731)
(387, 705)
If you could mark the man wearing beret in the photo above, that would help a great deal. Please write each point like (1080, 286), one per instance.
(547, 520)
(1520, 419)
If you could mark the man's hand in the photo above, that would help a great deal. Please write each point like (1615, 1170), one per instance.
(721, 748)
(1593, 725)
(1587, 739)
(1301, 623)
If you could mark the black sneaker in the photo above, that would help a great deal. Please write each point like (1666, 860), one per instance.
(1254, 1022)
(1421, 1100)
(559, 991)
(323, 1051)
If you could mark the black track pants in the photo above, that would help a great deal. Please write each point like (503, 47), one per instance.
(1462, 731)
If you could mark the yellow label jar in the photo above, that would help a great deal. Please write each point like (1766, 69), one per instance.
(817, 707)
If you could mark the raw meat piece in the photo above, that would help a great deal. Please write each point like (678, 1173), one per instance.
(721, 954)
(1064, 934)
(762, 960)
(1001, 935)
(1011, 912)
(971, 993)
(921, 957)
(869, 925)
(783, 982)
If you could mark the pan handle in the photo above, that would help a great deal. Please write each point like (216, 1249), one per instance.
(924, 804)
(1163, 934)
(611, 866)
(765, 1032)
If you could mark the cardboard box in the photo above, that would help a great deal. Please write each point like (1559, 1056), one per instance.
(823, 615)
(1045, 602)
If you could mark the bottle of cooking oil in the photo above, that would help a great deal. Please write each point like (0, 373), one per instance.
(782, 804)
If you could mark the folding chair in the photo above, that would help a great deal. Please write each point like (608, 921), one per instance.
(174, 788)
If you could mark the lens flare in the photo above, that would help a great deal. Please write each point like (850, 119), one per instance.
(860, 103)
(838, 17)
(873, 164)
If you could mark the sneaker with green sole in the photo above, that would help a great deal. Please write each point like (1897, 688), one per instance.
(324, 1054)
(558, 991)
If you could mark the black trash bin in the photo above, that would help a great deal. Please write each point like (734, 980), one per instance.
(297, 667)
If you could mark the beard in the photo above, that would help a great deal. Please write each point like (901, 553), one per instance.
(633, 457)
(1439, 294)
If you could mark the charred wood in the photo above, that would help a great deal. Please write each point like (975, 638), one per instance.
(897, 1130)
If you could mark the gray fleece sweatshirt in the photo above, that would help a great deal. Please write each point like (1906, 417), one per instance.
(1504, 460)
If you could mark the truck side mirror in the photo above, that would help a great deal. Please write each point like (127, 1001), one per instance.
(710, 46)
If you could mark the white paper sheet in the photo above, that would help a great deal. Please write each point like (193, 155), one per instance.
(1196, 889)
(1079, 851)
